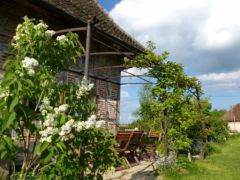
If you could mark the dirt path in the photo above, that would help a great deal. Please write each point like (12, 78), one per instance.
(143, 171)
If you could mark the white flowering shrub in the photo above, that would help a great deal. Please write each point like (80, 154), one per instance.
(52, 124)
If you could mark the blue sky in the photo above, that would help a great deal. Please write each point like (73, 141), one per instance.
(108, 4)
(196, 33)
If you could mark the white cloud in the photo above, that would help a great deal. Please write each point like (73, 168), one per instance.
(201, 34)
(135, 71)
(221, 77)
(220, 81)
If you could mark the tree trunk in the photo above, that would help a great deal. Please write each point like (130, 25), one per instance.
(203, 134)
(165, 137)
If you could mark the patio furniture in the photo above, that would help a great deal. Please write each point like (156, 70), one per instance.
(150, 144)
(135, 145)
(123, 139)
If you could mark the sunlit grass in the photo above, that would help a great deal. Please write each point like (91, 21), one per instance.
(224, 165)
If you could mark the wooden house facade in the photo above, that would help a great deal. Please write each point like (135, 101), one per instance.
(107, 43)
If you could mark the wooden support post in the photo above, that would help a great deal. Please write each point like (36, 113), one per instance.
(87, 50)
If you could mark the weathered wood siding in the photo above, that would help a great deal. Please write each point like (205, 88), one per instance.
(107, 93)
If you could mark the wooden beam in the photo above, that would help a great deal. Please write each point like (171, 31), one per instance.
(107, 67)
(138, 77)
(71, 30)
(137, 83)
(110, 53)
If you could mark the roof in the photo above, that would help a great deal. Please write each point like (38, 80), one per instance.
(233, 115)
(84, 10)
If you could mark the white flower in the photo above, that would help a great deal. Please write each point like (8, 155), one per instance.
(63, 108)
(50, 33)
(48, 139)
(90, 86)
(4, 94)
(41, 25)
(79, 126)
(56, 110)
(101, 123)
(43, 133)
(92, 117)
(62, 38)
(49, 120)
(18, 27)
(31, 72)
(46, 101)
(90, 124)
(16, 37)
(29, 64)
(44, 112)
(84, 88)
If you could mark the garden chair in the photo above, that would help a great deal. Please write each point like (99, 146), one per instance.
(135, 145)
(123, 139)
(150, 144)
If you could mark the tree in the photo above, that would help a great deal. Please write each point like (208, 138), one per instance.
(149, 115)
(170, 88)
(46, 120)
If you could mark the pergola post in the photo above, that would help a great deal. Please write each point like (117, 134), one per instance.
(87, 49)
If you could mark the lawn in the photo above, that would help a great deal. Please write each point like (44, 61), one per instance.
(224, 165)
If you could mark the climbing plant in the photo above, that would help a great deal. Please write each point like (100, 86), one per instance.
(171, 95)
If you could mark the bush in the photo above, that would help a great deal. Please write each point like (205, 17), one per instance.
(180, 166)
(212, 148)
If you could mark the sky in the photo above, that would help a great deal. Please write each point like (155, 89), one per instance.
(203, 35)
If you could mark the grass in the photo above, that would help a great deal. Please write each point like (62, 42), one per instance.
(224, 165)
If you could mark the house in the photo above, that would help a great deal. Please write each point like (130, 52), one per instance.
(233, 118)
(105, 43)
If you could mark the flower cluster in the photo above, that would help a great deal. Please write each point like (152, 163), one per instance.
(49, 124)
(4, 94)
(62, 38)
(84, 88)
(41, 25)
(50, 33)
(29, 64)
(68, 129)
(46, 134)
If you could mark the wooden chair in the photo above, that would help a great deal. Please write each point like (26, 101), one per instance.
(150, 143)
(136, 144)
(123, 139)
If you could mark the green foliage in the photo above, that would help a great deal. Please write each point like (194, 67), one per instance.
(166, 102)
(45, 120)
(180, 166)
(149, 114)
(222, 164)
(218, 131)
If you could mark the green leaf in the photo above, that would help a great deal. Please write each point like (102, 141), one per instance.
(3, 154)
(13, 103)
(9, 142)
(61, 146)
(44, 145)
(37, 150)
(8, 121)
(40, 148)
(48, 157)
